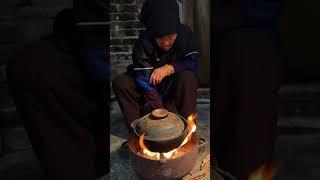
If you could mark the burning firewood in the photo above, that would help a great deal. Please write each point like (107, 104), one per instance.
(204, 171)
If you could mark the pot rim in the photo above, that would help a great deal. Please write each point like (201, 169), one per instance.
(186, 128)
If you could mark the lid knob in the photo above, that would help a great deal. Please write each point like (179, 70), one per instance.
(159, 113)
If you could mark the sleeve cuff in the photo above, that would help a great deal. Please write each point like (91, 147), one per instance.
(178, 66)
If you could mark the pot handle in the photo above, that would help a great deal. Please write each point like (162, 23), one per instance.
(160, 113)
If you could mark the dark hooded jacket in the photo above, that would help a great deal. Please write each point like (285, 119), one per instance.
(161, 18)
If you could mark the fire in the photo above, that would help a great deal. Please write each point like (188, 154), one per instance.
(264, 173)
(145, 149)
(172, 153)
(192, 126)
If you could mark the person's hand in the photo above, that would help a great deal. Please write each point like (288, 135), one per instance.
(160, 73)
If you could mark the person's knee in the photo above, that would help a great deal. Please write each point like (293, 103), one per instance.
(187, 79)
(121, 82)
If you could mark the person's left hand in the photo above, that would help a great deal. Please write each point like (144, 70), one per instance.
(160, 73)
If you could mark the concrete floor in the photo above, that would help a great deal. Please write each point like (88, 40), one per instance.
(297, 151)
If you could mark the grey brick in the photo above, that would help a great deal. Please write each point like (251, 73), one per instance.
(119, 67)
(122, 1)
(125, 25)
(119, 58)
(140, 1)
(130, 48)
(139, 31)
(115, 41)
(132, 8)
(128, 16)
(123, 33)
(139, 6)
(119, 49)
(114, 9)
(128, 25)
(129, 41)
(123, 16)
(113, 57)
(125, 28)
(114, 16)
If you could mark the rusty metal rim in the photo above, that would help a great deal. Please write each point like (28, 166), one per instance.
(196, 145)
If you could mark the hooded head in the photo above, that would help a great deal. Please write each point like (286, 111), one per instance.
(160, 17)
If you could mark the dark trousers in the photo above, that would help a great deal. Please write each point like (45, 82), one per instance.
(245, 107)
(64, 115)
(182, 99)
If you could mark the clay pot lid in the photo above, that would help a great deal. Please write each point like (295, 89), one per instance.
(160, 125)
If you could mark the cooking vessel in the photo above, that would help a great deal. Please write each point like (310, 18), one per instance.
(163, 130)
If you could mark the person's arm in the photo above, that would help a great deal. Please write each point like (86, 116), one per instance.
(142, 77)
(190, 57)
(189, 60)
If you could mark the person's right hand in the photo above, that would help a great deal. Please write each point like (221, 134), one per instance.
(160, 73)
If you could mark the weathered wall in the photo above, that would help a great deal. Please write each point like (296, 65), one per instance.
(124, 30)
(201, 29)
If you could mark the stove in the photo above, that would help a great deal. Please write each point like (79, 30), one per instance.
(162, 168)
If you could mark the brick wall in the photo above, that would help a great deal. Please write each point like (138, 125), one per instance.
(124, 30)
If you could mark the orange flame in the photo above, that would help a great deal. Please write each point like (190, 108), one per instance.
(172, 153)
(264, 173)
(192, 126)
(145, 149)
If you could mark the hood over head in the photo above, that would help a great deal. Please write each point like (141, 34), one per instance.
(161, 17)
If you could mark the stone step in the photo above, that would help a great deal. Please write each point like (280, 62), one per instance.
(300, 92)
(302, 122)
(300, 100)
(15, 139)
(203, 95)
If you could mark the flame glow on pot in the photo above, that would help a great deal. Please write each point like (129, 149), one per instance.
(171, 154)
